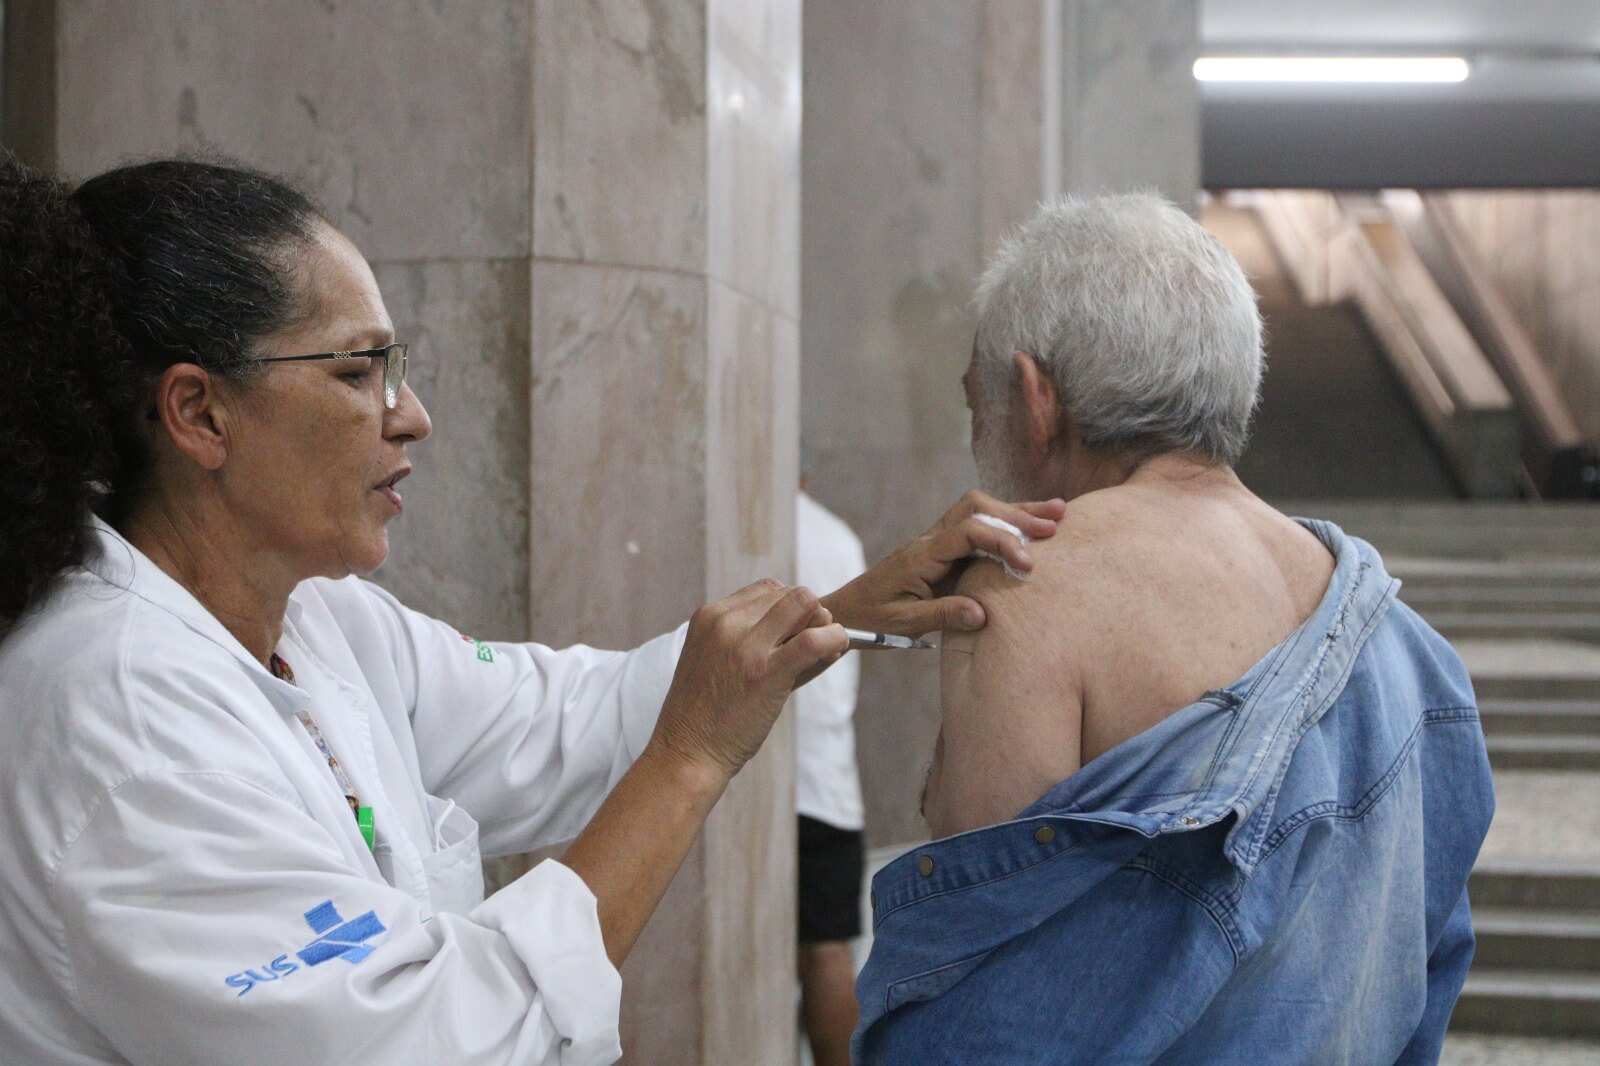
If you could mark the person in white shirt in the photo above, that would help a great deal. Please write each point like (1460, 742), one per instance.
(827, 800)
(244, 794)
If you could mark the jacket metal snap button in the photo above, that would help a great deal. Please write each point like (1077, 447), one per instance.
(1187, 820)
(1044, 834)
(925, 865)
(874, 898)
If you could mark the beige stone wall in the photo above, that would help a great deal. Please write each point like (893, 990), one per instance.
(394, 144)
(393, 139)
(1543, 249)
(922, 143)
(1129, 112)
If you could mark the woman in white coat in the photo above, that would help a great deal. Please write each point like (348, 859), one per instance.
(246, 793)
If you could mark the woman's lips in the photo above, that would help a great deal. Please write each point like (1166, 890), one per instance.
(387, 491)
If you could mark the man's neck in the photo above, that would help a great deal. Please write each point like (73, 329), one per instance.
(243, 586)
(1088, 472)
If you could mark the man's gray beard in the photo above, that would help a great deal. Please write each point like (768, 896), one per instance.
(991, 451)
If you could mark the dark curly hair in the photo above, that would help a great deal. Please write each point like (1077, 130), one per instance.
(101, 289)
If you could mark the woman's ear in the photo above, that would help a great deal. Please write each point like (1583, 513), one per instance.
(190, 409)
(1041, 411)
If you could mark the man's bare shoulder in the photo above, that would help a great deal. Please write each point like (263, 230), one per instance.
(1117, 557)
(1105, 540)
(1069, 578)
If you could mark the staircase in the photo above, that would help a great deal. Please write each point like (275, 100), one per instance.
(1537, 969)
(1516, 588)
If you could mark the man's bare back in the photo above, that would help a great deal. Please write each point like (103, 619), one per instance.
(1152, 594)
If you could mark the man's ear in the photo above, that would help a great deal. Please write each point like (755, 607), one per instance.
(190, 408)
(1041, 411)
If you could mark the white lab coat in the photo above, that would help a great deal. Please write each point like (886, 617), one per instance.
(181, 878)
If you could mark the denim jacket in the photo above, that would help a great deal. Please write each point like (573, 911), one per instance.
(1274, 874)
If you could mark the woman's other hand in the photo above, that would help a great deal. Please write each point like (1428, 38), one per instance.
(902, 594)
(743, 655)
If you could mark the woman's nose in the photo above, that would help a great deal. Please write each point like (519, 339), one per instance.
(409, 418)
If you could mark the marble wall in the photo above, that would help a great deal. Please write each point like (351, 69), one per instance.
(1543, 250)
(394, 143)
(1129, 115)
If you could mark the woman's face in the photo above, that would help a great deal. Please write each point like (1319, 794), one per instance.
(314, 449)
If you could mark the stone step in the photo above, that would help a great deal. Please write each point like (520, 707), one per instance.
(1540, 717)
(1430, 574)
(1510, 938)
(1577, 587)
(1504, 599)
(1508, 625)
(1550, 886)
(1493, 1049)
(1529, 1002)
(1467, 531)
(1522, 752)
(1562, 686)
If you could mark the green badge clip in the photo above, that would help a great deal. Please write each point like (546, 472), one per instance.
(364, 820)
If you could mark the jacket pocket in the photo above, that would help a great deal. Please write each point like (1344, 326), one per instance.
(455, 867)
(930, 985)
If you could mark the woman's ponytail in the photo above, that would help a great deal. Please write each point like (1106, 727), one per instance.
(66, 375)
(101, 289)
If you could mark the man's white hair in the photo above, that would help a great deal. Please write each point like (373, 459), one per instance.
(1146, 324)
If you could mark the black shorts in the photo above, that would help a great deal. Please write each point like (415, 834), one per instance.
(831, 864)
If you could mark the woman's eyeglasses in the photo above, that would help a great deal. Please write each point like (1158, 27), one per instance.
(394, 366)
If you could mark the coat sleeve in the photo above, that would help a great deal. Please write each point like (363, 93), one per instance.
(206, 918)
(527, 738)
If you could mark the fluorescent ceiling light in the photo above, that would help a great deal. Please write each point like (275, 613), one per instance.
(1332, 68)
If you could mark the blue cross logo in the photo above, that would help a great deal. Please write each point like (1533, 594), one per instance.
(338, 938)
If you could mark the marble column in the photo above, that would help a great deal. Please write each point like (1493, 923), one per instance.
(584, 218)
(665, 426)
(923, 144)
(1128, 111)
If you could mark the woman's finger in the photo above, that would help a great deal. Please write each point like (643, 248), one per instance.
(791, 613)
(1035, 518)
(1042, 516)
(956, 614)
(1028, 517)
(810, 648)
(973, 502)
(972, 535)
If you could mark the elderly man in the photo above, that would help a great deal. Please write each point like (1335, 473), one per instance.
(1205, 791)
